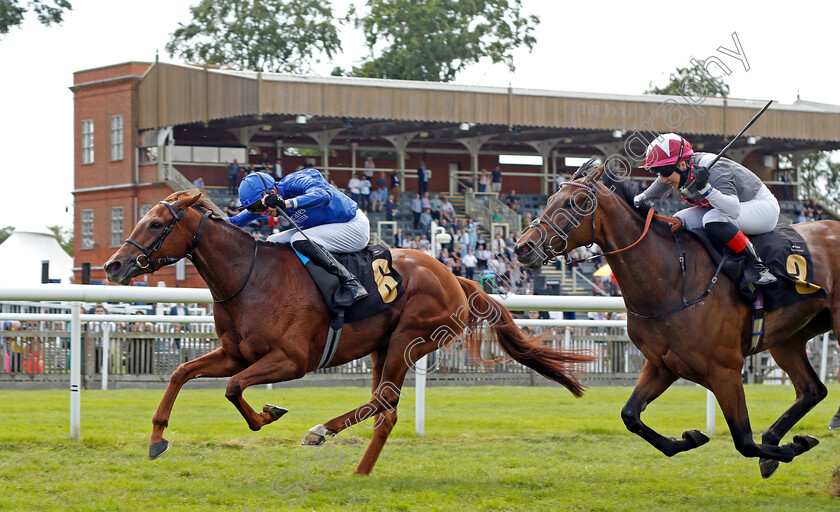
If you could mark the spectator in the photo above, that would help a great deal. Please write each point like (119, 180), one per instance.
(497, 215)
(395, 186)
(278, 169)
(425, 202)
(436, 204)
(483, 180)
(416, 210)
(233, 176)
(369, 166)
(398, 238)
(422, 178)
(469, 261)
(230, 209)
(391, 208)
(447, 211)
(364, 194)
(512, 201)
(496, 180)
(483, 254)
(472, 233)
(264, 164)
(199, 184)
(426, 221)
(179, 310)
(354, 186)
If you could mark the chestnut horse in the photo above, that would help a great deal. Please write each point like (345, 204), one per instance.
(272, 322)
(704, 342)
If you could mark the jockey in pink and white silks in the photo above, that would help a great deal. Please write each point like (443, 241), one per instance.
(728, 200)
(329, 219)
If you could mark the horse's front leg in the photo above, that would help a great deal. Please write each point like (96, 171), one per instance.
(217, 363)
(652, 383)
(275, 366)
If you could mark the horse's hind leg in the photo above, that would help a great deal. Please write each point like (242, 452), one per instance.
(652, 383)
(275, 366)
(792, 358)
(215, 364)
(729, 390)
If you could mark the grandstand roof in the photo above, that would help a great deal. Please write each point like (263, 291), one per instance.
(171, 95)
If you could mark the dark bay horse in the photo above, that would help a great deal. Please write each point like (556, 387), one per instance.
(272, 322)
(706, 342)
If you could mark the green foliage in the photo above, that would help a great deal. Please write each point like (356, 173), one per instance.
(486, 448)
(819, 174)
(433, 40)
(64, 237)
(260, 35)
(691, 82)
(48, 11)
(5, 233)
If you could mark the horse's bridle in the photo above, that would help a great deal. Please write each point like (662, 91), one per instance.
(158, 242)
(572, 223)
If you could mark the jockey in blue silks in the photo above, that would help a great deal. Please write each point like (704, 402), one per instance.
(331, 220)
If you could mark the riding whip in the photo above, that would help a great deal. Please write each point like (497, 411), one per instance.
(723, 151)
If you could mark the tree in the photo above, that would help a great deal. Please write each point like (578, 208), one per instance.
(433, 40)
(64, 237)
(692, 81)
(48, 11)
(819, 175)
(5, 233)
(260, 35)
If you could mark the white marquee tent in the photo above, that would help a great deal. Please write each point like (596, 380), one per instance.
(21, 256)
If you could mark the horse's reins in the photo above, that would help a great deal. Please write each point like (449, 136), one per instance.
(158, 242)
(648, 219)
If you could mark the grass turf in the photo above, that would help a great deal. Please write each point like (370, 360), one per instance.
(485, 449)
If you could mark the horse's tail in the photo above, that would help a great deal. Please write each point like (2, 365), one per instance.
(557, 365)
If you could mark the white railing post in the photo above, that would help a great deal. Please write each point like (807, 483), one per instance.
(824, 357)
(710, 412)
(75, 368)
(420, 396)
(106, 353)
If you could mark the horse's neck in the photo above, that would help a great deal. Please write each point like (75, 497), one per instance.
(223, 258)
(647, 273)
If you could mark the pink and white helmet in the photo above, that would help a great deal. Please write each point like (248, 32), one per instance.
(667, 149)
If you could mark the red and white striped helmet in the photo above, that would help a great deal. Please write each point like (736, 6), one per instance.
(667, 149)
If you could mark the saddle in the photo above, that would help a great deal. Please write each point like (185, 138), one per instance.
(373, 267)
(784, 252)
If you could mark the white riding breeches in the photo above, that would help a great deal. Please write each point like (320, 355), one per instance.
(759, 215)
(338, 237)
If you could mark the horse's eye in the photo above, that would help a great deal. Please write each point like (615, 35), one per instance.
(155, 225)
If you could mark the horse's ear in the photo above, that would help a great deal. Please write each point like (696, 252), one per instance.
(185, 199)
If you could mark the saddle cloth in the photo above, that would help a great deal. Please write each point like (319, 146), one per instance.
(785, 253)
(374, 269)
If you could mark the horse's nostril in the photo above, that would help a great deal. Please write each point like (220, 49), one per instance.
(112, 267)
(523, 248)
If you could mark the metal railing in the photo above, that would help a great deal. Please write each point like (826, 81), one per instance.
(482, 206)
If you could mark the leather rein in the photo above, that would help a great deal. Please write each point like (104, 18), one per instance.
(167, 260)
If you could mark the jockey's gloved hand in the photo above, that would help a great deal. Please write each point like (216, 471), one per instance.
(274, 201)
(701, 181)
(642, 201)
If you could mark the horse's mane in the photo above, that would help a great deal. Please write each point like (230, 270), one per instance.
(620, 188)
(590, 165)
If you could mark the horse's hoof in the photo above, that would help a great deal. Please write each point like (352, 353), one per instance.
(835, 422)
(275, 411)
(158, 449)
(768, 467)
(311, 439)
(696, 437)
(805, 442)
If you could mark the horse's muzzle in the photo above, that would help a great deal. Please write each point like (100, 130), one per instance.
(117, 272)
(528, 256)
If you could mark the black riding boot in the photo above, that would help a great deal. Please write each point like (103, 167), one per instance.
(728, 234)
(765, 277)
(327, 261)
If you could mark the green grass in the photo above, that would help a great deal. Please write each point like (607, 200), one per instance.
(485, 449)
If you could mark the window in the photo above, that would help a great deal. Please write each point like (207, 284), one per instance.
(116, 226)
(87, 229)
(116, 138)
(144, 209)
(87, 141)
